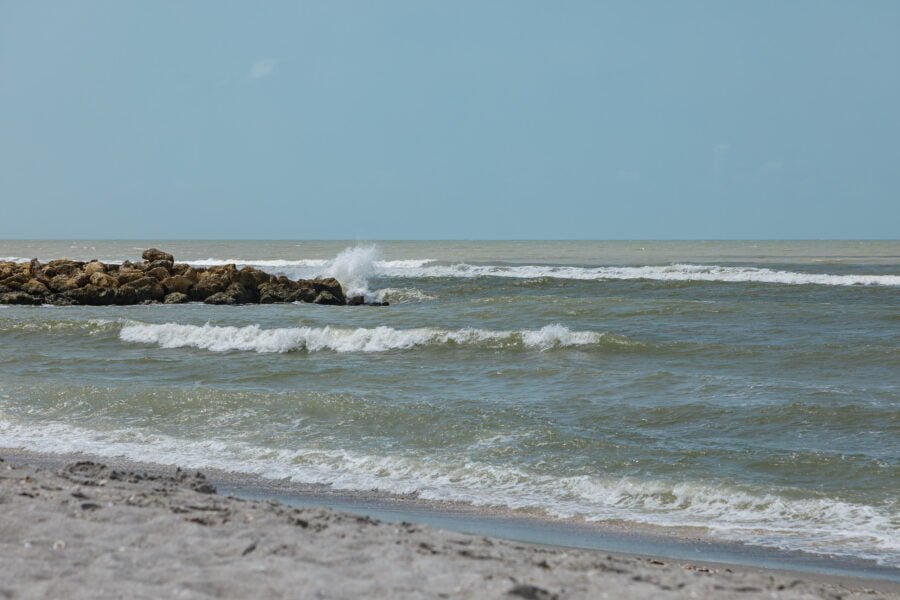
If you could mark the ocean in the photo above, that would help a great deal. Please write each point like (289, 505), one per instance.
(749, 390)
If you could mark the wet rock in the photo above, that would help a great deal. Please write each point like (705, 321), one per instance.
(153, 254)
(19, 298)
(91, 295)
(241, 294)
(327, 297)
(270, 293)
(176, 298)
(356, 300)
(220, 298)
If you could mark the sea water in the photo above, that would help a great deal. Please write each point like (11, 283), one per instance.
(750, 389)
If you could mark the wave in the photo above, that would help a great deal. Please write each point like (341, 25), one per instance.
(818, 524)
(354, 266)
(378, 339)
(678, 272)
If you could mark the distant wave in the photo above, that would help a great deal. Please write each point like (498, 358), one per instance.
(377, 339)
(825, 525)
(358, 264)
(679, 272)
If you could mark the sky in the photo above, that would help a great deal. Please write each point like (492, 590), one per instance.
(429, 119)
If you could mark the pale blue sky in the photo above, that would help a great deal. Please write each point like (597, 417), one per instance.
(451, 119)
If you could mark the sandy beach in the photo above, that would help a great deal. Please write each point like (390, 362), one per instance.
(87, 530)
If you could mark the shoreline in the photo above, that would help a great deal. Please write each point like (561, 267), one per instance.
(625, 542)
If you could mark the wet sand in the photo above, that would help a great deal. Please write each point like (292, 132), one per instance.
(87, 530)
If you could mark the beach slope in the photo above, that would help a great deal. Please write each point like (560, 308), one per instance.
(89, 531)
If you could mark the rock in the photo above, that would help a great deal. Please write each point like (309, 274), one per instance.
(208, 284)
(64, 283)
(220, 298)
(104, 280)
(35, 288)
(177, 283)
(180, 268)
(32, 268)
(154, 254)
(19, 298)
(168, 265)
(16, 281)
(129, 276)
(228, 271)
(156, 279)
(356, 300)
(59, 300)
(62, 267)
(91, 295)
(158, 273)
(271, 293)
(94, 267)
(326, 297)
(330, 285)
(251, 278)
(141, 290)
(7, 268)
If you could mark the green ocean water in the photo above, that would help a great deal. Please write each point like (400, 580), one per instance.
(748, 388)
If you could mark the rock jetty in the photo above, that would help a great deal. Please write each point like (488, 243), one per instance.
(157, 279)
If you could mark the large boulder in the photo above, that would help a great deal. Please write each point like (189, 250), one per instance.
(95, 266)
(251, 278)
(271, 293)
(330, 285)
(91, 295)
(153, 254)
(220, 298)
(241, 294)
(158, 273)
(177, 283)
(35, 288)
(64, 283)
(209, 283)
(145, 289)
(129, 275)
(104, 280)
(62, 267)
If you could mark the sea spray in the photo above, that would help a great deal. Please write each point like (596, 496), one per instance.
(353, 267)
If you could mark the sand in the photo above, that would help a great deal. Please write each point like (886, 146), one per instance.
(86, 530)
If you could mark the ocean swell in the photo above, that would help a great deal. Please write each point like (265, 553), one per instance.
(253, 338)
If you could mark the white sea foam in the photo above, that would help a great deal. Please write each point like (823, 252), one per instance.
(678, 272)
(823, 525)
(253, 338)
(359, 264)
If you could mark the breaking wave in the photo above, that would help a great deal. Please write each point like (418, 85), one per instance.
(355, 266)
(679, 272)
(253, 338)
(824, 525)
